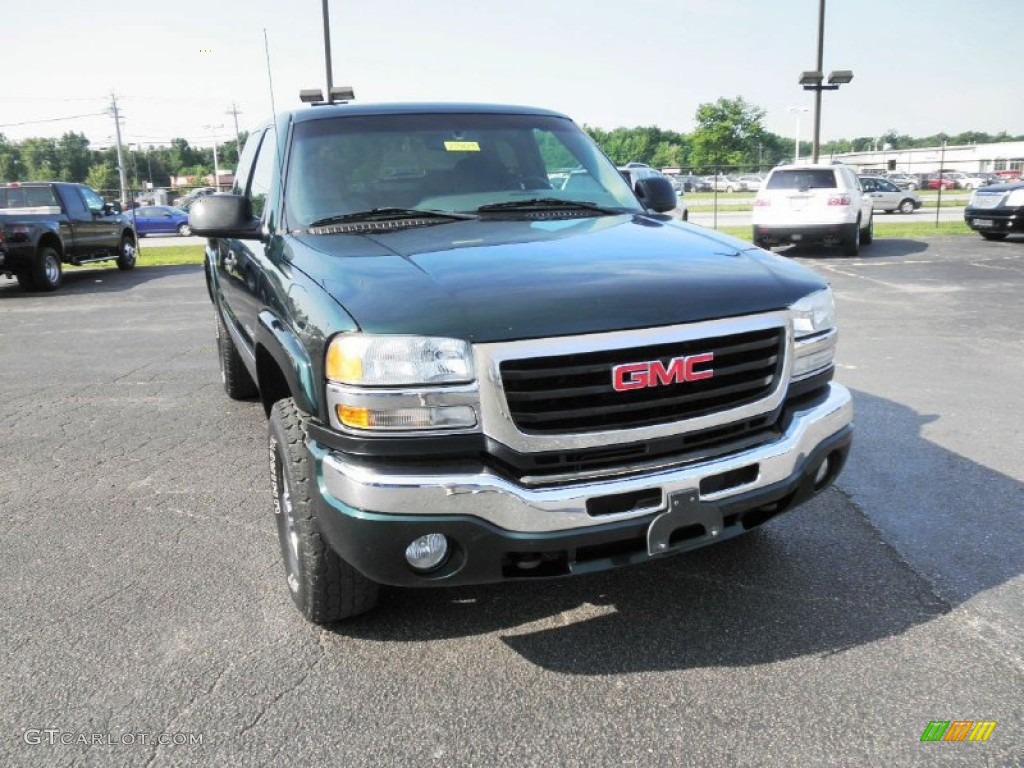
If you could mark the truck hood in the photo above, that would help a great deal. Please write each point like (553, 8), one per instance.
(496, 280)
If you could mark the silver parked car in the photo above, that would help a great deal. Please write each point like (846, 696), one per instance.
(886, 196)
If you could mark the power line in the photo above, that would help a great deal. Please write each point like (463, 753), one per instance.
(52, 120)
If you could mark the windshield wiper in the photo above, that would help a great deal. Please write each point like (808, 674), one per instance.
(546, 204)
(389, 214)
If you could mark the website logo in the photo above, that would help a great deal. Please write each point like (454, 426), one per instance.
(958, 730)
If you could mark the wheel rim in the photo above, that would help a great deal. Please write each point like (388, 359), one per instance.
(286, 530)
(51, 268)
(128, 251)
(184, 230)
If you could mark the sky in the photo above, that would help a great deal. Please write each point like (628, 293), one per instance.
(920, 66)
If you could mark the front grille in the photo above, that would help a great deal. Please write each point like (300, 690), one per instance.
(987, 199)
(573, 393)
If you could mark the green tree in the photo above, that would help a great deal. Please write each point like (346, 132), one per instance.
(10, 161)
(73, 157)
(102, 176)
(39, 158)
(728, 134)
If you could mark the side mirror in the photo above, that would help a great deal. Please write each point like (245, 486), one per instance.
(224, 216)
(657, 194)
(112, 206)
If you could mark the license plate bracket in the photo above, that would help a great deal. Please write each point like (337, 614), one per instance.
(688, 523)
(984, 223)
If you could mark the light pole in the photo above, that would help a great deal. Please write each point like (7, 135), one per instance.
(216, 165)
(812, 80)
(796, 143)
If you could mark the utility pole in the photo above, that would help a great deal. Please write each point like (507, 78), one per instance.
(235, 112)
(120, 157)
(216, 165)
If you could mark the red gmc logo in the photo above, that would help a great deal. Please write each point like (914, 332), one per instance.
(658, 374)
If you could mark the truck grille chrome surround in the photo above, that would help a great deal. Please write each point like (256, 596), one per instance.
(557, 393)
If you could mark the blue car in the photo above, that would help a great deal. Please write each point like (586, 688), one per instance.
(161, 220)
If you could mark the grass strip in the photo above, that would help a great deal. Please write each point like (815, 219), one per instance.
(894, 230)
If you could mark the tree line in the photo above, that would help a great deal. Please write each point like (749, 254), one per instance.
(729, 134)
(71, 158)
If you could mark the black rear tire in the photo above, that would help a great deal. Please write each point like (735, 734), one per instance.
(867, 236)
(47, 272)
(323, 587)
(237, 382)
(993, 235)
(126, 253)
(907, 206)
(851, 243)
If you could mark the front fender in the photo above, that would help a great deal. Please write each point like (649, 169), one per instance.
(290, 355)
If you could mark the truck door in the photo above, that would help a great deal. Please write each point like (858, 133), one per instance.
(240, 263)
(106, 224)
(78, 244)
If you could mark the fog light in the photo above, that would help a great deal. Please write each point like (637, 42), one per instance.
(427, 552)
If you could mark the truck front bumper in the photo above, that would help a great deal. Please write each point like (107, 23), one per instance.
(498, 529)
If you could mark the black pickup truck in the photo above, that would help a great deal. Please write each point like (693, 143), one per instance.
(46, 224)
(479, 367)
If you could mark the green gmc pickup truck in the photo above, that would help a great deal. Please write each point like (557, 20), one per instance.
(485, 357)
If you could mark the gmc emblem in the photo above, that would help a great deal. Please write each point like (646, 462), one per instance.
(658, 374)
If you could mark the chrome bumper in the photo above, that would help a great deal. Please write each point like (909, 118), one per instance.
(471, 489)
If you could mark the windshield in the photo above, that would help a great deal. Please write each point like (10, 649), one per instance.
(453, 163)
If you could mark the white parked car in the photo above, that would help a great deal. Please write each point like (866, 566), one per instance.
(969, 180)
(751, 182)
(813, 204)
(722, 183)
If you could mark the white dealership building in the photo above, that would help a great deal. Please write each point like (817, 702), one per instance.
(1006, 157)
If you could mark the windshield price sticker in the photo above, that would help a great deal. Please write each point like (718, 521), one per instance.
(462, 146)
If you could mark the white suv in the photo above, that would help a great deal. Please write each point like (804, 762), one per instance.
(813, 204)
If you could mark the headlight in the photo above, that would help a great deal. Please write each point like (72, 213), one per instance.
(814, 313)
(388, 361)
(400, 384)
(1015, 198)
(970, 200)
(814, 332)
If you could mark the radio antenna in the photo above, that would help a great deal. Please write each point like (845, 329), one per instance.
(273, 109)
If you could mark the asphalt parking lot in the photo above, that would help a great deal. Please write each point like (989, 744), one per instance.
(142, 589)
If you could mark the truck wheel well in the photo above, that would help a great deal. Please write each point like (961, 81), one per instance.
(270, 379)
(51, 241)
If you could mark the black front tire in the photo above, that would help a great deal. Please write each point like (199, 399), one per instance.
(238, 382)
(324, 587)
(126, 253)
(47, 273)
(907, 206)
(993, 235)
